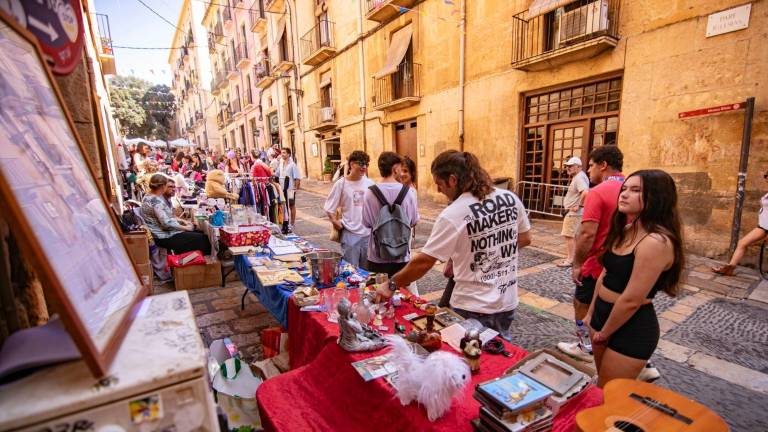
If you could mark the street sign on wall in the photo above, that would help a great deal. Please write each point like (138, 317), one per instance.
(57, 25)
(711, 110)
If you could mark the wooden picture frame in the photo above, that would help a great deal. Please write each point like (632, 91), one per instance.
(56, 208)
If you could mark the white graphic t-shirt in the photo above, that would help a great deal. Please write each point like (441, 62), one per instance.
(351, 202)
(481, 239)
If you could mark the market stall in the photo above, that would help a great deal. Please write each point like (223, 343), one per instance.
(321, 367)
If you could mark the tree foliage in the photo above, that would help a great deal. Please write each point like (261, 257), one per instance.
(143, 109)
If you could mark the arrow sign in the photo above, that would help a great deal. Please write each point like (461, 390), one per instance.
(46, 28)
(711, 110)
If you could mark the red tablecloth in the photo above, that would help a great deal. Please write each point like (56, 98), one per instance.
(324, 392)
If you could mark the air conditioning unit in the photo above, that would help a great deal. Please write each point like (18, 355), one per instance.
(582, 22)
(326, 114)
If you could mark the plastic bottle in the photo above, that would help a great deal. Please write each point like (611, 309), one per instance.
(583, 333)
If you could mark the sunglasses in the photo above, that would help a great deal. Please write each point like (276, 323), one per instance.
(362, 165)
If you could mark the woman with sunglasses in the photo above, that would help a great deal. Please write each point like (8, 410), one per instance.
(756, 235)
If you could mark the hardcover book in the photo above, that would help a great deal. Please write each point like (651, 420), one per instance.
(514, 392)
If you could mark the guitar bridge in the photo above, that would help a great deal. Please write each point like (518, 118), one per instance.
(664, 408)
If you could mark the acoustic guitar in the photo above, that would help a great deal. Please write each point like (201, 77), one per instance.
(637, 406)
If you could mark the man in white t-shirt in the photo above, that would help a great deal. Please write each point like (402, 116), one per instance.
(290, 180)
(389, 167)
(348, 193)
(574, 203)
(481, 231)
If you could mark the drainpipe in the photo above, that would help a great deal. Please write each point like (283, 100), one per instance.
(462, 47)
(361, 71)
(749, 110)
(296, 90)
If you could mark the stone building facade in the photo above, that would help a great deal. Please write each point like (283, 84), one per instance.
(195, 117)
(541, 81)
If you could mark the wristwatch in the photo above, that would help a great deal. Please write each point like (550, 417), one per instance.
(392, 286)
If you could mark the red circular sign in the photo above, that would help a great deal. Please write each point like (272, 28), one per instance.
(57, 25)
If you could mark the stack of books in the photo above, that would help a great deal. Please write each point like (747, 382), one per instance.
(513, 403)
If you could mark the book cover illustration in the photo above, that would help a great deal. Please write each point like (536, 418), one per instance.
(515, 392)
(374, 367)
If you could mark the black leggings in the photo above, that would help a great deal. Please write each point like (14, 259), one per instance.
(186, 241)
(637, 338)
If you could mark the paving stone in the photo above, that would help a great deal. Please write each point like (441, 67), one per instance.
(674, 351)
(215, 318)
(730, 372)
(734, 282)
(200, 308)
(535, 329)
(537, 301)
(218, 331)
(244, 339)
(530, 257)
(760, 293)
(249, 324)
(203, 294)
(672, 316)
(693, 301)
(739, 293)
(731, 330)
(226, 303)
(705, 276)
(743, 409)
(554, 283)
(665, 325)
(681, 309)
(563, 310)
(708, 285)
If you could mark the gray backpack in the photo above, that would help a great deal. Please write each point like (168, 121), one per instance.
(392, 231)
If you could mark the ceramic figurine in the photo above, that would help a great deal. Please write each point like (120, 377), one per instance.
(429, 338)
(471, 348)
(353, 335)
(378, 321)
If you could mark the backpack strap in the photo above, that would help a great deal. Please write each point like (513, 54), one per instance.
(401, 196)
(380, 196)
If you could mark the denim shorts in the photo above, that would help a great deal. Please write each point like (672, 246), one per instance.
(500, 321)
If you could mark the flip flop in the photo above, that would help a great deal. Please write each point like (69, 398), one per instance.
(726, 270)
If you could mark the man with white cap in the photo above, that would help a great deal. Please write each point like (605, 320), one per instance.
(574, 203)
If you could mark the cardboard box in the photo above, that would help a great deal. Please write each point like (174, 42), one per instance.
(138, 247)
(145, 271)
(553, 402)
(198, 276)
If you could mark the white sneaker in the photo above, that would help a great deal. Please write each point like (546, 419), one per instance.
(574, 349)
(649, 373)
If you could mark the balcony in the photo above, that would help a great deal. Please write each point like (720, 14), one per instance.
(218, 30)
(232, 71)
(288, 118)
(228, 115)
(580, 30)
(106, 55)
(248, 100)
(242, 56)
(220, 120)
(235, 105)
(317, 44)
(258, 17)
(219, 82)
(284, 60)
(226, 13)
(382, 10)
(275, 6)
(399, 89)
(321, 117)
(262, 74)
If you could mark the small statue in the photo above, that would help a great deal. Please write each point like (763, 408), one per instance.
(353, 335)
(471, 348)
(429, 338)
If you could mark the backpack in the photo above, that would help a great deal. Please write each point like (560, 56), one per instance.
(392, 231)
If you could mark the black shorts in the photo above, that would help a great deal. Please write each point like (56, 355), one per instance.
(637, 338)
(586, 290)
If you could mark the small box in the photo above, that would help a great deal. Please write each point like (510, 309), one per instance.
(198, 276)
(245, 235)
(137, 245)
(554, 402)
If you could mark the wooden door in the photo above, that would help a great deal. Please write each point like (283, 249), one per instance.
(406, 142)
(565, 141)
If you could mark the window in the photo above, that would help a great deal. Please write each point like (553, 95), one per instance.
(244, 41)
(242, 137)
(568, 122)
(326, 89)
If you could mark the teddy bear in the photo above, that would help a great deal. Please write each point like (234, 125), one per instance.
(214, 186)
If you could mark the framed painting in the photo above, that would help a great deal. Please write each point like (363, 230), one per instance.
(53, 205)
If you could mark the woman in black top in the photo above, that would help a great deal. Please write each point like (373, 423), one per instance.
(643, 254)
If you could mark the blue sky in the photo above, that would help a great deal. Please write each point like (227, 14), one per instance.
(132, 24)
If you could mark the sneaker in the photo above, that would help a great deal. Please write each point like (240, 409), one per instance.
(574, 349)
(649, 373)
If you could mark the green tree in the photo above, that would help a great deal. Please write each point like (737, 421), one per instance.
(143, 109)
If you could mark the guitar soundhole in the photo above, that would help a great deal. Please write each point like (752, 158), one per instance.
(626, 426)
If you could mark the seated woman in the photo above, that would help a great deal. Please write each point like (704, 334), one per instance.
(643, 255)
(173, 234)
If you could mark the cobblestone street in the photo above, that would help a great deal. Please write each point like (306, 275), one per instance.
(714, 346)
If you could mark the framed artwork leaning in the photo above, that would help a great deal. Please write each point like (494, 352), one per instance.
(55, 208)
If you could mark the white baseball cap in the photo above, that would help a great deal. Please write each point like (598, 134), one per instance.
(573, 161)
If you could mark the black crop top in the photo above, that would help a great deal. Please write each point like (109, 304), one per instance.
(618, 270)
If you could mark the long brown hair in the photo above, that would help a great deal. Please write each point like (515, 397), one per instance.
(659, 215)
(465, 166)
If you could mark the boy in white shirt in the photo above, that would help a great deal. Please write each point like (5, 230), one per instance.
(348, 193)
(481, 231)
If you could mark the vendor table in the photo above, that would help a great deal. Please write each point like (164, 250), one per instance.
(324, 392)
